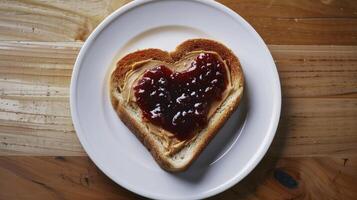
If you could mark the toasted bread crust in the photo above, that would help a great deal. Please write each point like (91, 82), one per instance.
(124, 65)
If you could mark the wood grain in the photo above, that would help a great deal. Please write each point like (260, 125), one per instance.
(298, 178)
(317, 126)
(300, 21)
(313, 155)
(316, 71)
(35, 117)
(278, 21)
(55, 178)
(48, 20)
(78, 178)
(34, 107)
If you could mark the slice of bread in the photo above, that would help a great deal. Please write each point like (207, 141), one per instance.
(170, 153)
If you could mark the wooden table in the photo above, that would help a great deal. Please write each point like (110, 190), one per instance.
(313, 156)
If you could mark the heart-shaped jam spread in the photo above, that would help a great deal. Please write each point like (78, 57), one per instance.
(180, 101)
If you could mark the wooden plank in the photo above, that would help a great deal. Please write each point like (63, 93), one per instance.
(78, 178)
(317, 126)
(35, 117)
(300, 21)
(278, 21)
(34, 107)
(298, 178)
(311, 126)
(316, 71)
(294, 8)
(305, 71)
(56, 178)
(52, 20)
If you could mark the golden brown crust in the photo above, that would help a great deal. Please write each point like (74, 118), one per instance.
(209, 45)
(134, 126)
(124, 65)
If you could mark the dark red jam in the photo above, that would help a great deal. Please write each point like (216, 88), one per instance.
(180, 101)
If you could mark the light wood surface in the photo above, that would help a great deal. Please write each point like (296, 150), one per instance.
(313, 155)
(318, 83)
(278, 21)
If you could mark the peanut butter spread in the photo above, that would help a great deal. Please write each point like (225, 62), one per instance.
(170, 143)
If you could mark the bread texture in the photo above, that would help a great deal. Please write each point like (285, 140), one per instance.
(170, 154)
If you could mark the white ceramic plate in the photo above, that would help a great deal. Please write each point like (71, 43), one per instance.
(236, 149)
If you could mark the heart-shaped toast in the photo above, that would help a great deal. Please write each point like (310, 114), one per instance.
(176, 102)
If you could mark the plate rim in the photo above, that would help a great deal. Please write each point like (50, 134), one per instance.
(260, 153)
